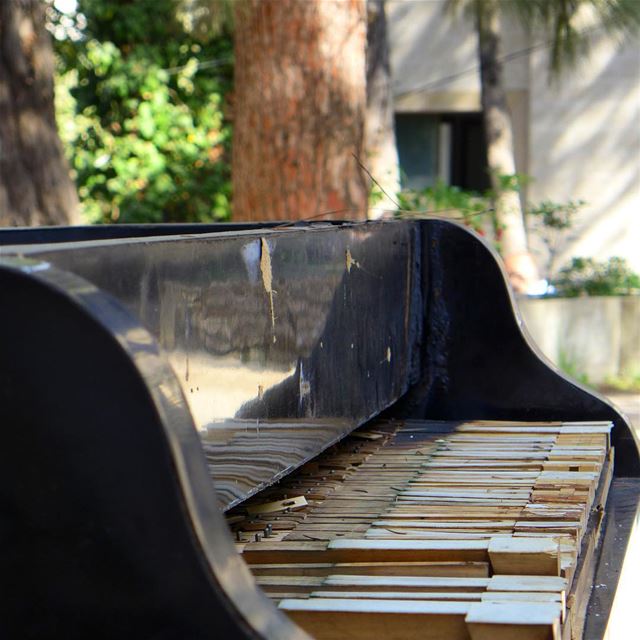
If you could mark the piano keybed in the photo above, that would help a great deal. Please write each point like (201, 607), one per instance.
(421, 529)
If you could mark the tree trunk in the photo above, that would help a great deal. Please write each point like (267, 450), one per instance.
(382, 153)
(299, 110)
(35, 187)
(500, 154)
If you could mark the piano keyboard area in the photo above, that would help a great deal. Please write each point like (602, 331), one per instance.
(431, 530)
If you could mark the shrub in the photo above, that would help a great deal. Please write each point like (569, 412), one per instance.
(585, 276)
(143, 117)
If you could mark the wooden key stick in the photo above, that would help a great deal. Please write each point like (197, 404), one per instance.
(335, 619)
(524, 556)
(522, 620)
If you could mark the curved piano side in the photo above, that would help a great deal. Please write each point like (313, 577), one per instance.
(478, 361)
(110, 526)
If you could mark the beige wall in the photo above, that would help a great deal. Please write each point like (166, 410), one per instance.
(421, 35)
(579, 139)
(597, 337)
(433, 55)
(585, 145)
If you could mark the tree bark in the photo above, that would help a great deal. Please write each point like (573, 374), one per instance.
(500, 154)
(299, 110)
(382, 153)
(35, 187)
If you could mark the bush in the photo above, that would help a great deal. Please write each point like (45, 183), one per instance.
(468, 207)
(585, 276)
(143, 117)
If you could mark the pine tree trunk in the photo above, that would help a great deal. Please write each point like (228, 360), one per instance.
(500, 153)
(299, 109)
(35, 187)
(382, 153)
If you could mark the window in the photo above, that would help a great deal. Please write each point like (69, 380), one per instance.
(450, 147)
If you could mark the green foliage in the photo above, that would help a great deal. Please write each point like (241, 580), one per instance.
(585, 276)
(376, 195)
(207, 18)
(512, 182)
(560, 21)
(473, 209)
(626, 383)
(551, 222)
(142, 117)
(568, 365)
(556, 216)
(568, 26)
(470, 208)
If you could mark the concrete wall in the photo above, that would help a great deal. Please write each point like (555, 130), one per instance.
(585, 144)
(598, 337)
(434, 57)
(579, 138)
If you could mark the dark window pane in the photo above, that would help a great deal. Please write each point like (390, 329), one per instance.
(468, 152)
(417, 140)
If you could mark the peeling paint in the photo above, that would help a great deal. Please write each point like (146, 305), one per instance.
(304, 389)
(267, 279)
(251, 257)
(350, 261)
(187, 334)
(387, 356)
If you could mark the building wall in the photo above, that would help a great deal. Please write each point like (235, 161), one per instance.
(578, 138)
(585, 145)
(597, 338)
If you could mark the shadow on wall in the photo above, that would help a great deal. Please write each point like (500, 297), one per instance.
(584, 145)
(418, 37)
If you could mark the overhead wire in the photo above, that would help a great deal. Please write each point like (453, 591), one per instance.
(204, 64)
(507, 57)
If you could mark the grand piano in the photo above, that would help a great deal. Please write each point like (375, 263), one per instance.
(156, 381)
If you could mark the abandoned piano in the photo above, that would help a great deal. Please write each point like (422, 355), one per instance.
(327, 430)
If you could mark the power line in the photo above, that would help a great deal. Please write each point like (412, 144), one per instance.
(508, 57)
(204, 64)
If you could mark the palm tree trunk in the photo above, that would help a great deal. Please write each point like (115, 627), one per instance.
(500, 154)
(300, 100)
(35, 187)
(382, 153)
